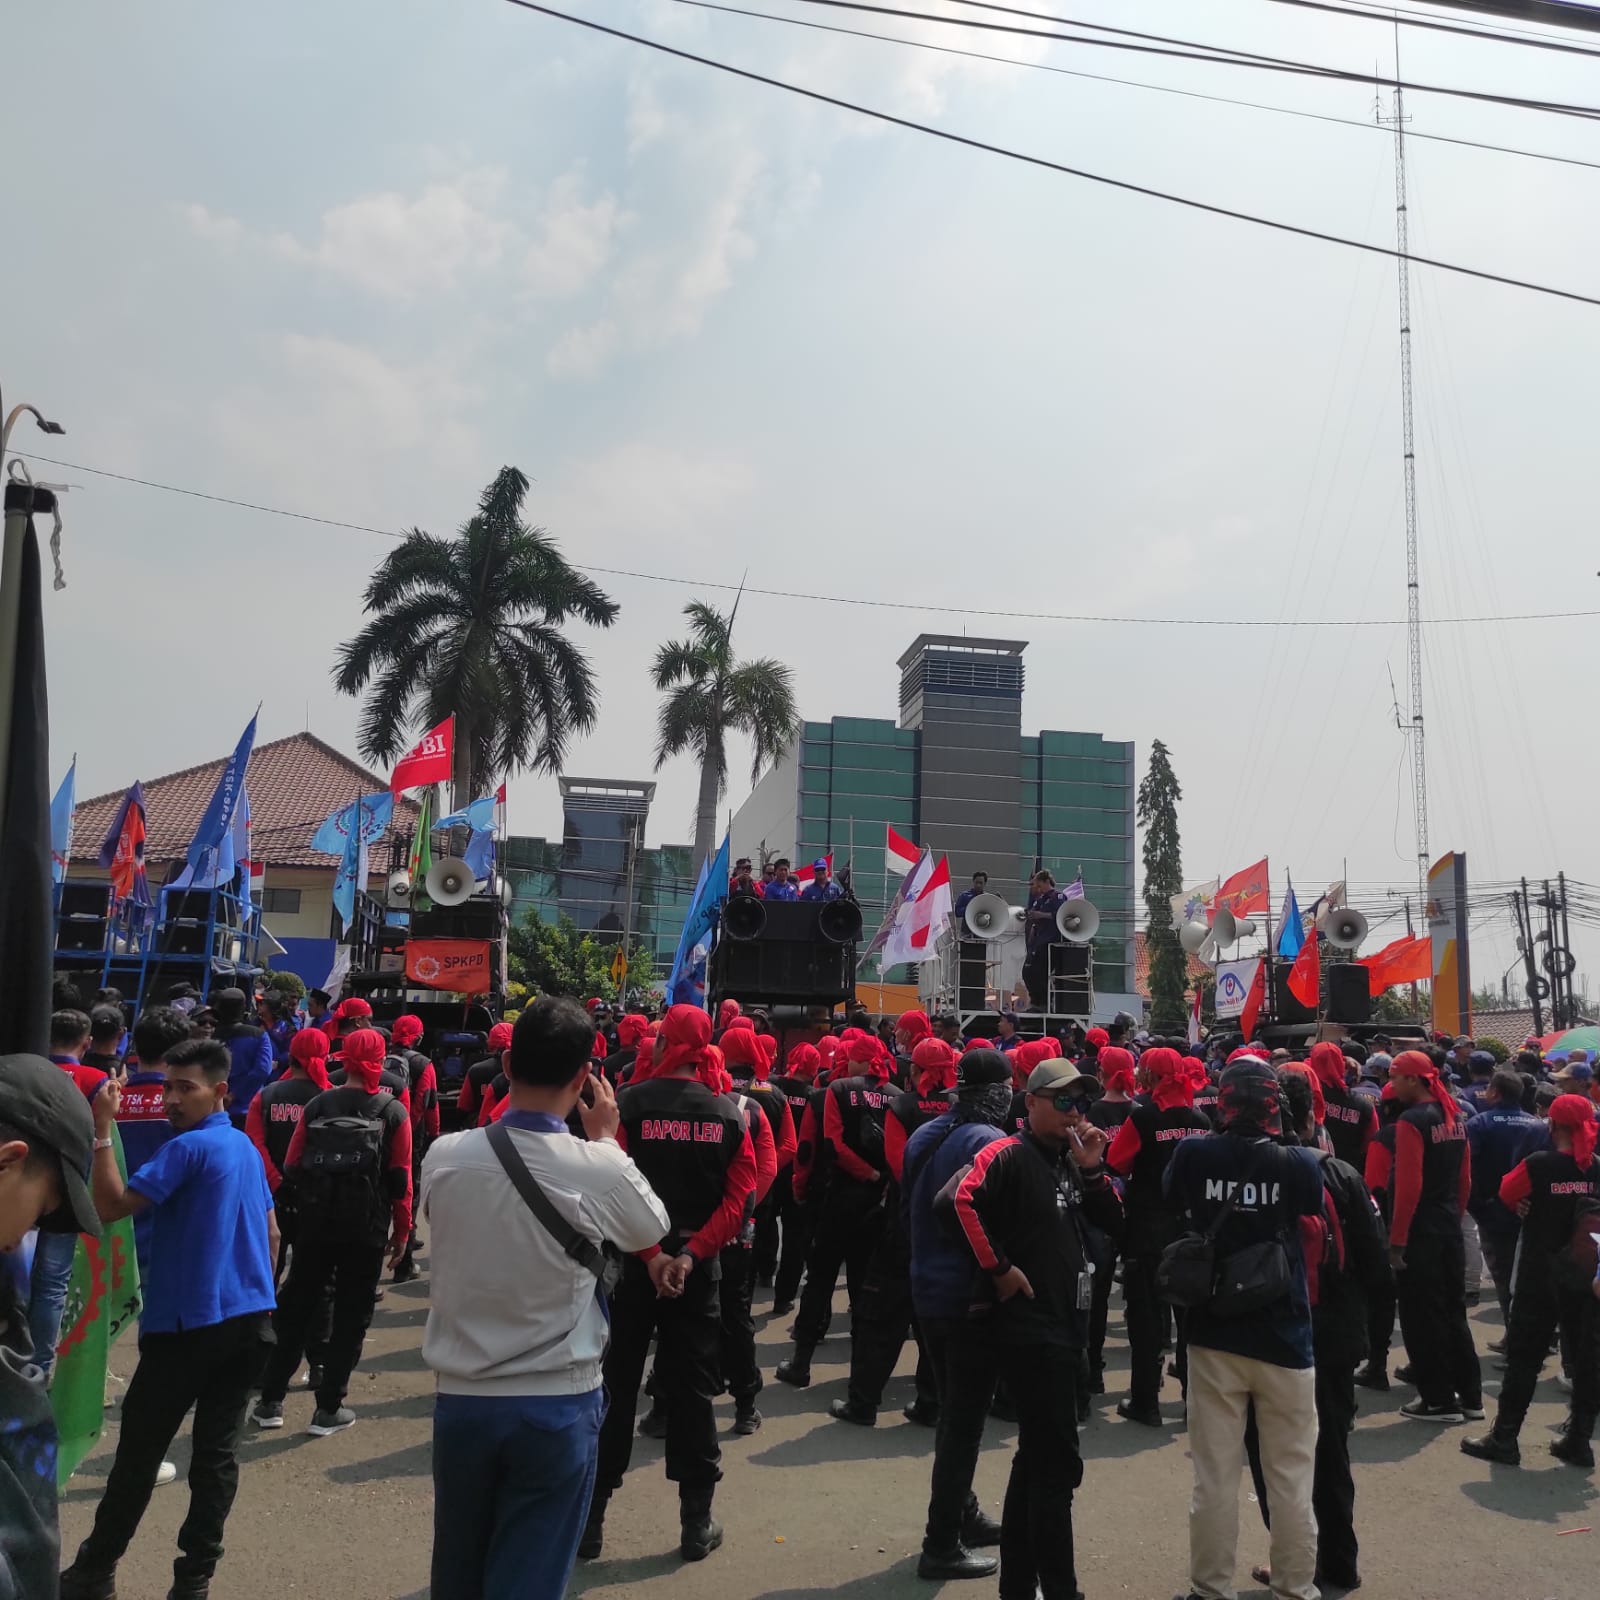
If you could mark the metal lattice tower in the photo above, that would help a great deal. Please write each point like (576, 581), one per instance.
(1419, 762)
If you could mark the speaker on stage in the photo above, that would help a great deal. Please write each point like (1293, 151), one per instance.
(1070, 990)
(477, 918)
(82, 921)
(1349, 993)
(972, 975)
(1285, 1007)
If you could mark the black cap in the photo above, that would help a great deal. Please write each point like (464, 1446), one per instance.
(982, 1066)
(46, 1106)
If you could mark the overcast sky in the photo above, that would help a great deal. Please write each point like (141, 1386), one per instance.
(350, 260)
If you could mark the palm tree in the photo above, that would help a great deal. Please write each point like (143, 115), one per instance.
(709, 695)
(472, 626)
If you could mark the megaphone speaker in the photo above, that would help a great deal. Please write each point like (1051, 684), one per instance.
(1078, 920)
(449, 881)
(839, 922)
(1344, 929)
(988, 916)
(1225, 927)
(1193, 935)
(399, 886)
(743, 917)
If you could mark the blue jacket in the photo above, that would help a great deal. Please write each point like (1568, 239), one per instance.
(1498, 1139)
(942, 1268)
(251, 1071)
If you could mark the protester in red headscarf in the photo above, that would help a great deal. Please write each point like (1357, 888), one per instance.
(1431, 1185)
(1549, 1295)
(1349, 1119)
(768, 1046)
(1114, 1067)
(727, 1013)
(275, 1112)
(910, 1029)
(481, 1074)
(742, 1052)
(1140, 1153)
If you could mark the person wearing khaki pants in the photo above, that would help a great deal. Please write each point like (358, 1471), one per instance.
(1221, 1389)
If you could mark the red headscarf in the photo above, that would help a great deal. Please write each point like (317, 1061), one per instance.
(1115, 1068)
(499, 1037)
(309, 1050)
(364, 1051)
(1576, 1112)
(1051, 1050)
(934, 1063)
(1198, 1076)
(913, 1027)
(713, 1073)
(682, 1038)
(1326, 1063)
(355, 1006)
(830, 1052)
(866, 1051)
(1169, 1078)
(406, 1030)
(1413, 1064)
(726, 1012)
(1024, 1059)
(739, 1048)
(768, 1046)
(630, 1029)
(1319, 1104)
(1097, 1038)
(803, 1061)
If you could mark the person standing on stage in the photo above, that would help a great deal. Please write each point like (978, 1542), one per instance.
(1040, 933)
(958, 912)
(781, 886)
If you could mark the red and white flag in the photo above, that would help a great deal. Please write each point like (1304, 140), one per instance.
(923, 915)
(807, 874)
(1194, 1020)
(428, 761)
(899, 852)
(1253, 1002)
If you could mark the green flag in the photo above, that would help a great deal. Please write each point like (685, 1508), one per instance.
(422, 852)
(102, 1299)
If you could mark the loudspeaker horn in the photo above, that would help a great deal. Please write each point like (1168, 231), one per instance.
(839, 922)
(743, 917)
(1243, 927)
(1344, 928)
(1078, 920)
(989, 917)
(449, 881)
(1193, 936)
(1224, 927)
(399, 886)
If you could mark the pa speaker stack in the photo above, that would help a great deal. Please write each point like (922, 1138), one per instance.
(786, 952)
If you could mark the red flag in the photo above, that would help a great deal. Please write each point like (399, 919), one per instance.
(1244, 892)
(1405, 960)
(429, 760)
(1253, 1002)
(807, 874)
(898, 851)
(1305, 976)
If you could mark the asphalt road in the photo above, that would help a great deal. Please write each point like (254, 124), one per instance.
(820, 1510)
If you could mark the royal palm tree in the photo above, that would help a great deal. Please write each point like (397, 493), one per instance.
(472, 626)
(709, 695)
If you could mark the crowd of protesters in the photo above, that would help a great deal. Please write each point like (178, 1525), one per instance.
(620, 1189)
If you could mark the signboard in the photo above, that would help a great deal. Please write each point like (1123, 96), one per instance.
(459, 965)
(1447, 929)
(1233, 985)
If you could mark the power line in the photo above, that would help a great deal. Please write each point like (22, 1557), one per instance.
(847, 599)
(1129, 83)
(1053, 166)
(1216, 55)
(1406, 19)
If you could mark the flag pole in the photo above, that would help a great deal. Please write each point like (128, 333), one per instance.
(1267, 956)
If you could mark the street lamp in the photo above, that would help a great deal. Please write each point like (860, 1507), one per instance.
(45, 426)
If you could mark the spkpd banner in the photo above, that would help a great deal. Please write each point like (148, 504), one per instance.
(1233, 985)
(459, 965)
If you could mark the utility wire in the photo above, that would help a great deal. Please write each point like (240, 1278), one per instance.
(1131, 83)
(852, 600)
(1055, 166)
(1406, 19)
(1216, 55)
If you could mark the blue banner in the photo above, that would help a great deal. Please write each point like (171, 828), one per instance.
(61, 823)
(479, 816)
(213, 838)
(352, 874)
(1291, 934)
(376, 812)
(479, 854)
(686, 982)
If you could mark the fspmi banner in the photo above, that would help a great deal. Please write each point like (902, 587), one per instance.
(459, 965)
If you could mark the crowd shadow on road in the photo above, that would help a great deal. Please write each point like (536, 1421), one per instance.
(896, 1582)
(1548, 1495)
(414, 1461)
(608, 1574)
(1391, 1441)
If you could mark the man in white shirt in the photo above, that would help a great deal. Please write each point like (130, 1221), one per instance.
(517, 1327)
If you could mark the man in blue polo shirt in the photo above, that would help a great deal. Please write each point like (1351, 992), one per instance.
(206, 1321)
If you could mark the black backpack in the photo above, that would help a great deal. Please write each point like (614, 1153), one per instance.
(340, 1187)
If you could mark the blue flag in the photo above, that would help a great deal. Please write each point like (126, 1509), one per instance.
(479, 816)
(211, 855)
(61, 823)
(1291, 935)
(374, 813)
(479, 854)
(686, 982)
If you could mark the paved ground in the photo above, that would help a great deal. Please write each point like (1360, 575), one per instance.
(821, 1510)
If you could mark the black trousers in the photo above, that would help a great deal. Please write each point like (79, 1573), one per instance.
(1431, 1295)
(213, 1370)
(1333, 1489)
(351, 1271)
(1036, 977)
(321, 1329)
(1536, 1314)
(1499, 1256)
(795, 1222)
(846, 1235)
(1380, 1324)
(688, 1334)
(765, 1263)
(965, 1363)
(1036, 1551)
(1099, 1312)
(882, 1317)
(1146, 1314)
(740, 1374)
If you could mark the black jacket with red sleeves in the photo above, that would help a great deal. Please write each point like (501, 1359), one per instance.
(1140, 1152)
(1024, 1205)
(1350, 1120)
(694, 1149)
(852, 1129)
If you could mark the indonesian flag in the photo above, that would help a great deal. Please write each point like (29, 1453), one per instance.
(923, 914)
(428, 761)
(1194, 1020)
(1244, 892)
(1305, 976)
(807, 874)
(1254, 1000)
(899, 853)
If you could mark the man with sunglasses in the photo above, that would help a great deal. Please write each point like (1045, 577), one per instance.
(1025, 1207)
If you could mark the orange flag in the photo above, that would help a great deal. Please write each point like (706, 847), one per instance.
(1305, 976)
(1244, 892)
(1405, 960)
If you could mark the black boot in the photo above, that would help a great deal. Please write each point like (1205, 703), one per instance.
(653, 1424)
(956, 1562)
(190, 1588)
(1572, 1445)
(796, 1371)
(746, 1419)
(594, 1530)
(79, 1583)
(1374, 1375)
(700, 1532)
(1496, 1445)
(978, 1528)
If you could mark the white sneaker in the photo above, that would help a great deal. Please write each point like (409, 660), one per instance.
(167, 1472)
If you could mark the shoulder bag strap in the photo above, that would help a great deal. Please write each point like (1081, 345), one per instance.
(581, 1250)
